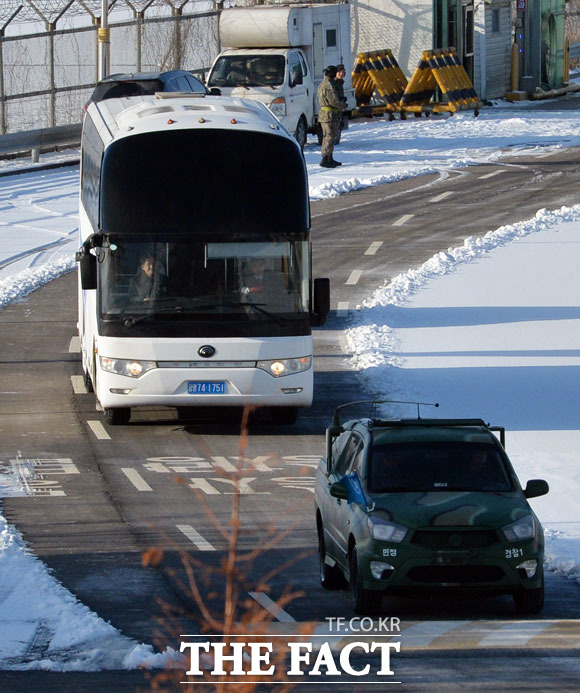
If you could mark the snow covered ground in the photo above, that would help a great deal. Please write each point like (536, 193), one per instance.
(490, 329)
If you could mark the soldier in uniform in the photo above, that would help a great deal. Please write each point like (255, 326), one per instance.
(339, 82)
(329, 117)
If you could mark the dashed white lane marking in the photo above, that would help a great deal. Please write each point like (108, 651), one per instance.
(422, 634)
(490, 175)
(442, 196)
(99, 430)
(373, 247)
(78, 384)
(514, 634)
(195, 538)
(354, 277)
(136, 479)
(277, 611)
(403, 220)
(342, 309)
(74, 346)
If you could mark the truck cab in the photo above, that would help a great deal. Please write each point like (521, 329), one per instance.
(279, 78)
(276, 54)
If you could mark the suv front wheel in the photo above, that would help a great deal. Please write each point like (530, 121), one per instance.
(363, 601)
(529, 601)
(331, 577)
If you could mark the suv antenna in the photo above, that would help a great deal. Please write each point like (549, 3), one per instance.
(336, 417)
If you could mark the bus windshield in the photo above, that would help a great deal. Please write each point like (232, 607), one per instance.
(165, 280)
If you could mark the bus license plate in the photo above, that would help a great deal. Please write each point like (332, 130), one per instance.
(195, 387)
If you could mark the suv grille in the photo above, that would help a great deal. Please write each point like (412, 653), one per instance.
(450, 539)
(461, 574)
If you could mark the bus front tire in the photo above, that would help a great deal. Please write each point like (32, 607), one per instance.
(284, 415)
(117, 416)
(88, 382)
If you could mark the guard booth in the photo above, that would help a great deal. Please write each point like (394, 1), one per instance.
(454, 25)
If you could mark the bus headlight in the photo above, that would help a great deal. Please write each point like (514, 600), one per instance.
(278, 106)
(129, 367)
(280, 367)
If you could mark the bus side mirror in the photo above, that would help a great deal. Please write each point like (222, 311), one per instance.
(321, 302)
(88, 270)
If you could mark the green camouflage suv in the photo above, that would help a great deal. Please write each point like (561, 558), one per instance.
(418, 506)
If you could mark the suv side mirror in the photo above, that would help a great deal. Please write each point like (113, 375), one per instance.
(339, 490)
(535, 488)
(321, 302)
(332, 433)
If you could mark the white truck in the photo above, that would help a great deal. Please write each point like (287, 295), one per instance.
(276, 54)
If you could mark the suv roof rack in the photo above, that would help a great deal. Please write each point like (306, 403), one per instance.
(336, 416)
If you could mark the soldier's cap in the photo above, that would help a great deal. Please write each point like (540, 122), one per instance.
(330, 71)
(340, 67)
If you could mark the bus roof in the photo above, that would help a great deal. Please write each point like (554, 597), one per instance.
(116, 118)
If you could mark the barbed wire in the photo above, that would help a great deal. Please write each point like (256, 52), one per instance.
(48, 10)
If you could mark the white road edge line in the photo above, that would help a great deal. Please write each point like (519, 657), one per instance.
(78, 385)
(99, 430)
(373, 247)
(442, 196)
(353, 278)
(490, 175)
(74, 346)
(277, 611)
(402, 220)
(195, 538)
(342, 309)
(136, 479)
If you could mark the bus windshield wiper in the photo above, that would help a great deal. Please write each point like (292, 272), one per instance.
(132, 320)
(258, 307)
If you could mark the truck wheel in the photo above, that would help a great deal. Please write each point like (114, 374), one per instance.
(117, 416)
(301, 133)
(319, 133)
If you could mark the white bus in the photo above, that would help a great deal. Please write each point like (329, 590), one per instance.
(195, 262)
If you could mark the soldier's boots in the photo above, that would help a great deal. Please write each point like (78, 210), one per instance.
(335, 163)
(329, 162)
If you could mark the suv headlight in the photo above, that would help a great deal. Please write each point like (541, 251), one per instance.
(129, 367)
(521, 529)
(386, 531)
(278, 106)
(280, 367)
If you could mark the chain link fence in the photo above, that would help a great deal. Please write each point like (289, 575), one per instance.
(49, 56)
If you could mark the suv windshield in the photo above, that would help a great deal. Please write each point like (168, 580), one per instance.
(437, 467)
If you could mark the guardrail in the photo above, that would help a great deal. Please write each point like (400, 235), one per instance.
(575, 50)
(34, 141)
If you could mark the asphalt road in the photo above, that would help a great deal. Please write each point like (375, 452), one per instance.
(100, 496)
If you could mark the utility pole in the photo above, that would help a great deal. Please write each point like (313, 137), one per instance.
(104, 41)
